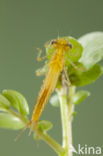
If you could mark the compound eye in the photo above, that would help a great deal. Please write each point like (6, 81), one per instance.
(69, 45)
(53, 42)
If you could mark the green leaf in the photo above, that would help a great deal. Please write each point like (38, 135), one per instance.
(74, 54)
(44, 125)
(17, 100)
(82, 78)
(4, 102)
(93, 48)
(10, 121)
(54, 101)
(80, 96)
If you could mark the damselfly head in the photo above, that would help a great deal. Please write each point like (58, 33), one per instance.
(61, 44)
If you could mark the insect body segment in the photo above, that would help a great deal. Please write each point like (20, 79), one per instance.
(45, 92)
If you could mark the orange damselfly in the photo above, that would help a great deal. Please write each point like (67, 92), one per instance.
(55, 67)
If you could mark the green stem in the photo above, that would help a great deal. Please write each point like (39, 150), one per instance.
(57, 147)
(67, 109)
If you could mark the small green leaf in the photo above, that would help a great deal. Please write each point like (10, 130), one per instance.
(74, 54)
(54, 101)
(10, 121)
(93, 48)
(82, 78)
(44, 125)
(4, 102)
(80, 96)
(17, 100)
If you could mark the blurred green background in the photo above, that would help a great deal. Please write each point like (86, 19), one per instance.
(26, 24)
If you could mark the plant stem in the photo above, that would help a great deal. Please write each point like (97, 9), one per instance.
(57, 147)
(67, 109)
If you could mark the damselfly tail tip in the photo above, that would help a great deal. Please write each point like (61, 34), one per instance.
(33, 127)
